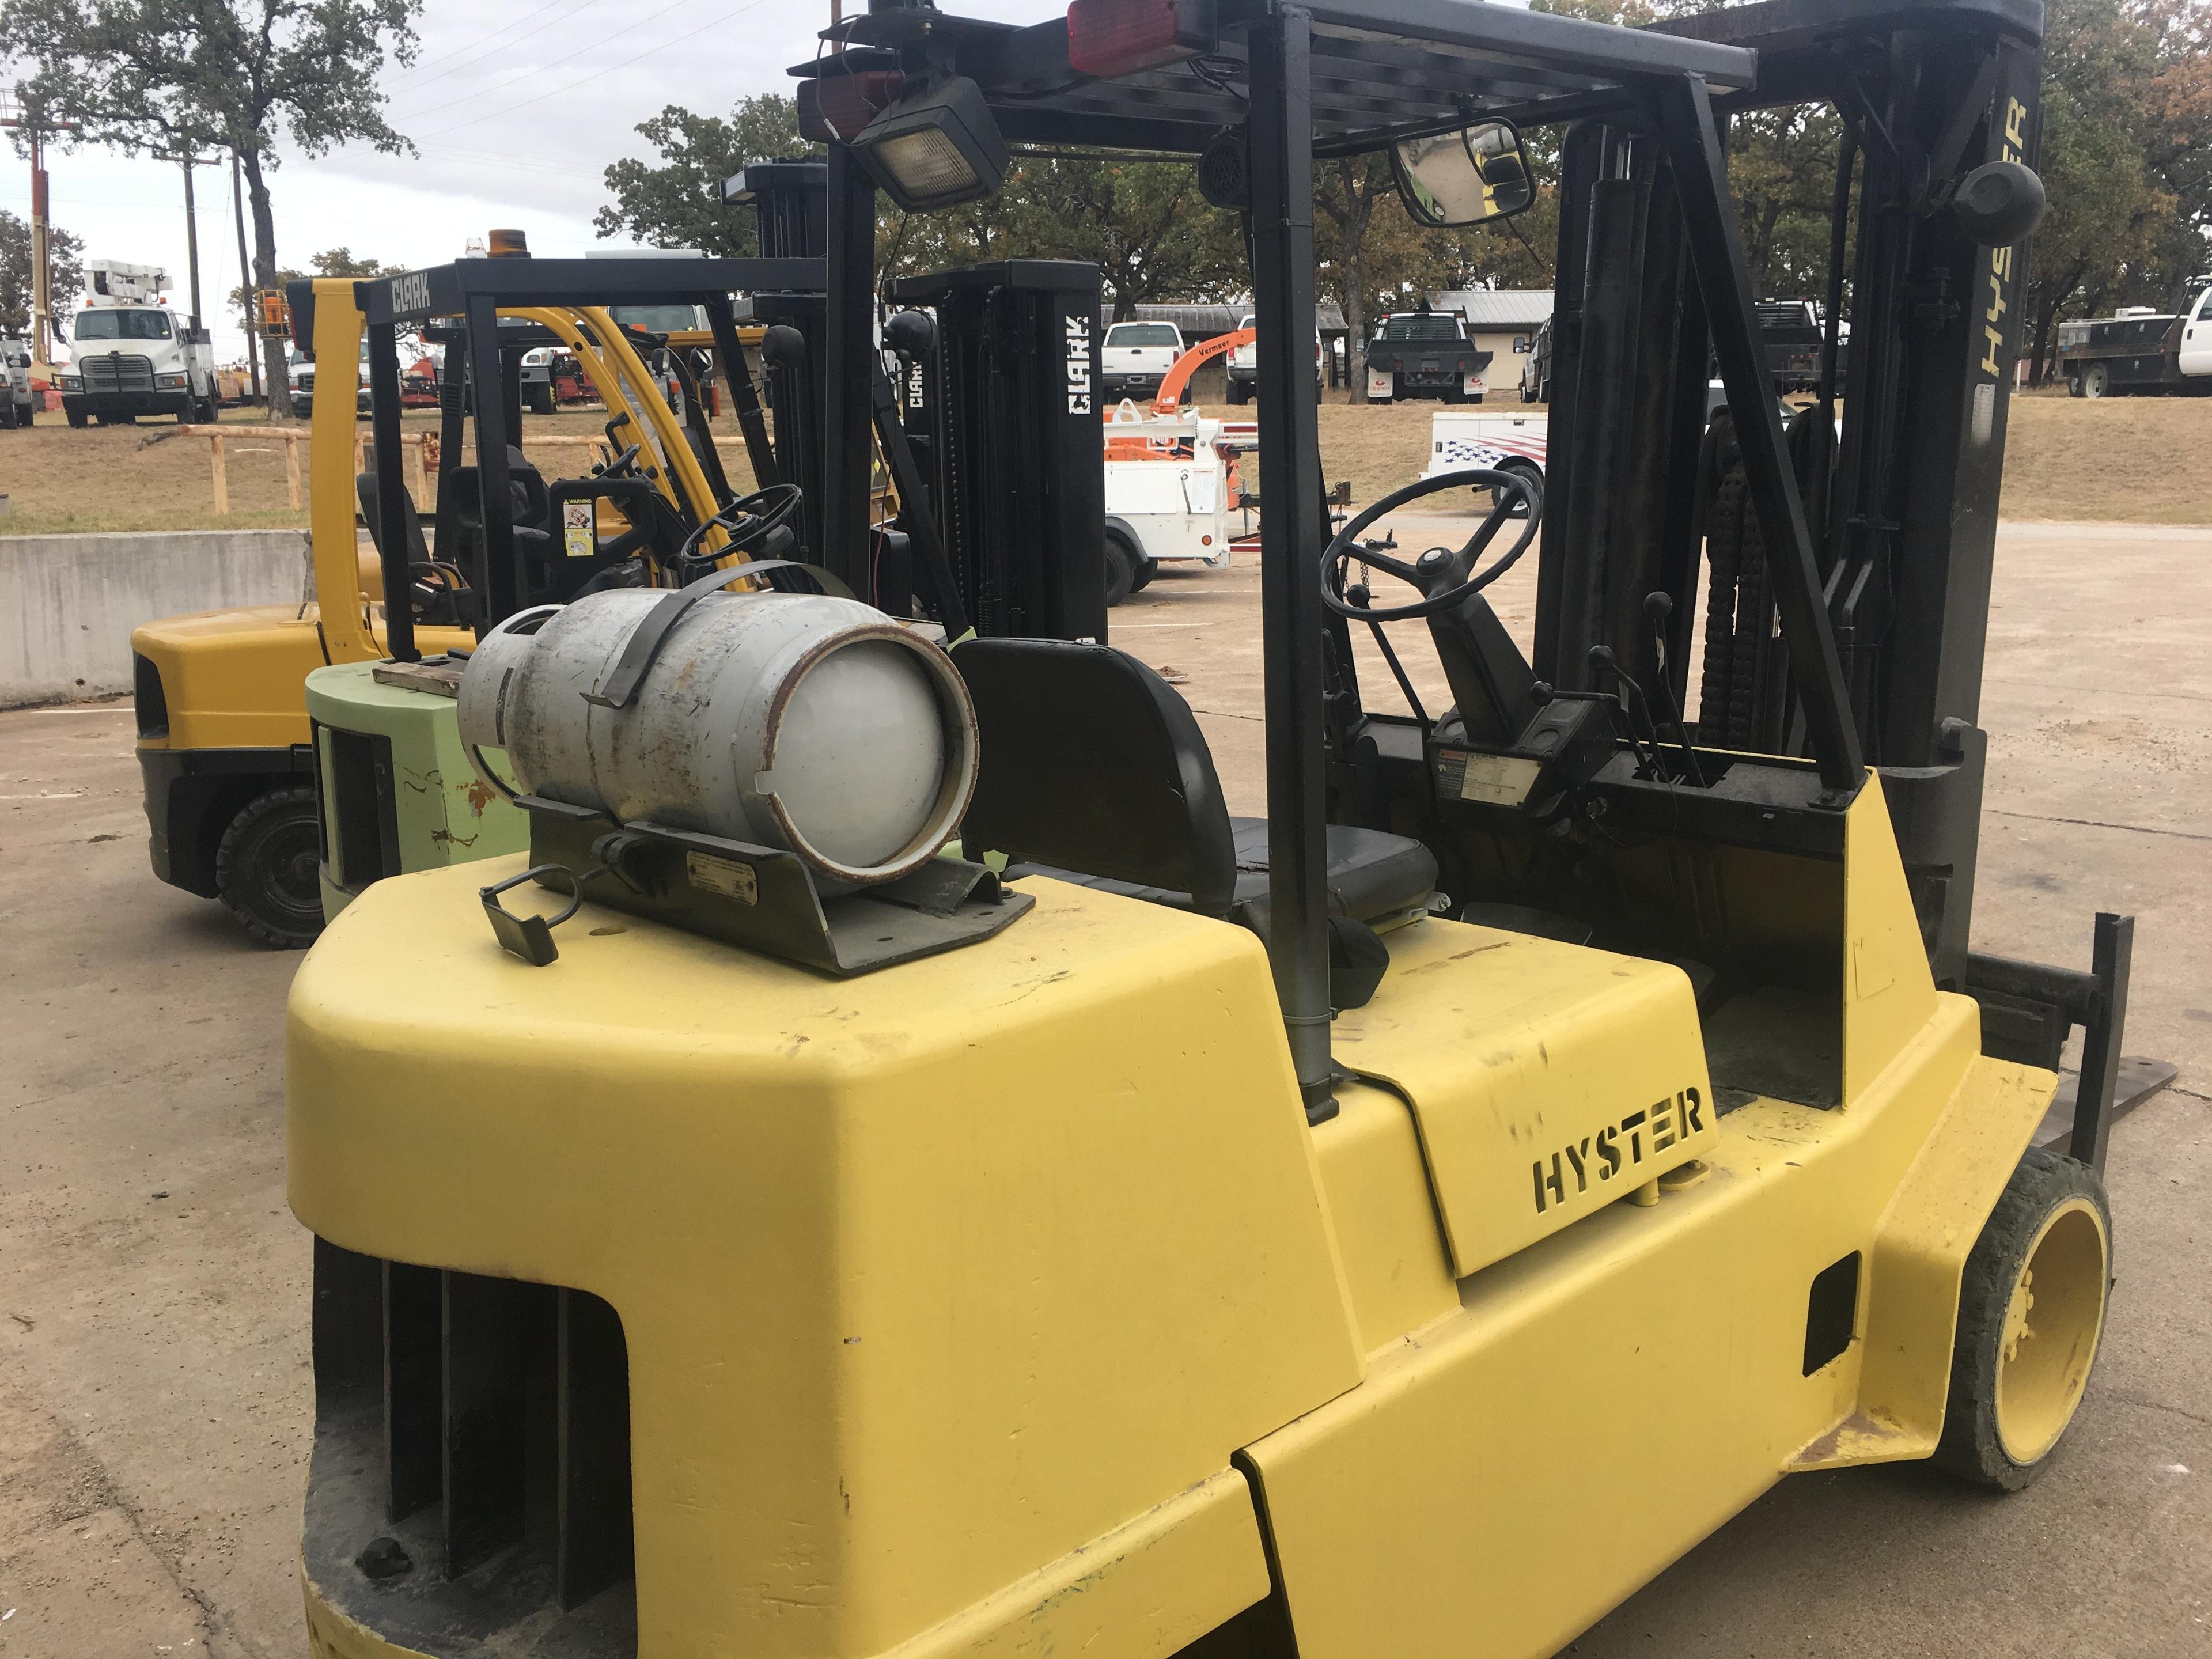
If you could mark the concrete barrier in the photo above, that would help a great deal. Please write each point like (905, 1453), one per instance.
(68, 603)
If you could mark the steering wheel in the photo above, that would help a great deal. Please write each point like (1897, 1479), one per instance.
(623, 465)
(1446, 578)
(751, 520)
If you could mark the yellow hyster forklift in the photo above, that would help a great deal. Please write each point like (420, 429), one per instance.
(225, 737)
(931, 1182)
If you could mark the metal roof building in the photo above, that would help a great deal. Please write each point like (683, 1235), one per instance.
(1496, 307)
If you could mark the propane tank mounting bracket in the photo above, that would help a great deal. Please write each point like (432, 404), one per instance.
(760, 898)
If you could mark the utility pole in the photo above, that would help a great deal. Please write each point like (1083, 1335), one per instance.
(246, 279)
(188, 161)
(23, 117)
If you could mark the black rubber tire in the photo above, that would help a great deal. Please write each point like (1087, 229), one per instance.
(1121, 571)
(1972, 1446)
(265, 869)
(2096, 381)
(76, 416)
(1239, 392)
(1147, 569)
(2072, 385)
(1532, 472)
(118, 420)
(542, 401)
(8, 419)
(31, 415)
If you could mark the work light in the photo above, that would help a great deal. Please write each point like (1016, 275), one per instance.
(935, 148)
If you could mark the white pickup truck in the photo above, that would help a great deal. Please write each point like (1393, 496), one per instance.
(130, 355)
(1242, 368)
(1135, 357)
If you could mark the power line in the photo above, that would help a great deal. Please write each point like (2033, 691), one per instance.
(589, 46)
(413, 85)
(711, 22)
(474, 41)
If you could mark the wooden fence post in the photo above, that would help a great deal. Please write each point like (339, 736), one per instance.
(292, 469)
(221, 475)
(416, 480)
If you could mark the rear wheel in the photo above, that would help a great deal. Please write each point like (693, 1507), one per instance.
(31, 413)
(1533, 475)
(1147, 569)
(2096, 381)
(1239, 392)
(1121, 570)
(2030, 1312)
(266, 869)
(541, 400)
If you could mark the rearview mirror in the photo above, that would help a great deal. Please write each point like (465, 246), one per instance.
(1477, 173)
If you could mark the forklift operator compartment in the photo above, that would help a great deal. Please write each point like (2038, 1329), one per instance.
(1001, 1203)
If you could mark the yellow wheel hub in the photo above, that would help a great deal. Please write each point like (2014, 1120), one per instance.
(2050, 1330)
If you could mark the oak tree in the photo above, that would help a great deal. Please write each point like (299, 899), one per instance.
(244, 75)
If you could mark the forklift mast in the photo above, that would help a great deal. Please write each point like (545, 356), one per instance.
(1901, 513)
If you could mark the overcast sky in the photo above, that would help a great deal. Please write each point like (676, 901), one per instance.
(515, 106)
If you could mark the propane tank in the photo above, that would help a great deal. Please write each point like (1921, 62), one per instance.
(798, 720)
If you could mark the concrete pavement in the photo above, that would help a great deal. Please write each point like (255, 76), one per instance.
(154, 1386)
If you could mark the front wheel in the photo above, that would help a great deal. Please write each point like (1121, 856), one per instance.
(76, 416)
(2031, 1313)
(1121, 571)
(266, 869)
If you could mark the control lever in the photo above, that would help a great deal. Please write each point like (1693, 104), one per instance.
(1543, 694)
(1601, 659)
(1658, 605)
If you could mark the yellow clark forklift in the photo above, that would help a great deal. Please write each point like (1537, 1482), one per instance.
(1401, 1225)
(225, 737)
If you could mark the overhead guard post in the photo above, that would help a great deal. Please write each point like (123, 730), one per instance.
(1279, 132)
(1686, 126)
(392, 503)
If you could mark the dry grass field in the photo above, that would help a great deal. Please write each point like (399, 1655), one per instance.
(2131, 460)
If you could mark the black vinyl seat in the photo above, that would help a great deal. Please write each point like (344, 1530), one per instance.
(1094, 771)
(372, 514)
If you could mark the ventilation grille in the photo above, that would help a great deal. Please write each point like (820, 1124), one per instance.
(505, 1414)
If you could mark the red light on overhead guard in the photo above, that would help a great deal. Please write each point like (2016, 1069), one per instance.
(1107, 38)
(837, 106)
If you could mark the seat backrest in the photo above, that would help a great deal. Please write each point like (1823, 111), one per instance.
(372, 514)
(1090, 761)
